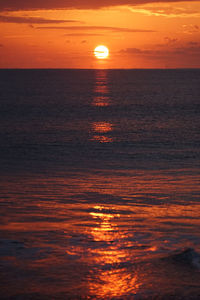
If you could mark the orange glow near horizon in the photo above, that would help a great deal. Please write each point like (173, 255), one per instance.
(151, 35)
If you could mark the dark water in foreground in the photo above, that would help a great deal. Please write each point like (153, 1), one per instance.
(99, 184)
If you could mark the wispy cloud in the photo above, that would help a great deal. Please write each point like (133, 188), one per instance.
(31, 20)
(77, 4)
(193, 44)
(191, 28)
(95, 28)
(166, 11)
(83, 34)
(188, 49)
(170, 40)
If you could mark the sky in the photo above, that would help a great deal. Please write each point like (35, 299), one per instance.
(64, 33)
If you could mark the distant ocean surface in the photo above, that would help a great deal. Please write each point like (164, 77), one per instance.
(99, 184)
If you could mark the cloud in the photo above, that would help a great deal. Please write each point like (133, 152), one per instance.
(187, 50)
(165, 11)
(83, 34)
(193, 43)
(31, 20)
(12, 5)
(179, 57)
(170, 40)
(135, 51)
(89, 28)
(1, 45)
(191, 28)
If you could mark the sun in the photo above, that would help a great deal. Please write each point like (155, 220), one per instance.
(101, 52)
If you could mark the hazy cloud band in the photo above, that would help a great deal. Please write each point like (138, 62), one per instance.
(11, 5)
(31, 20)
(89, 28)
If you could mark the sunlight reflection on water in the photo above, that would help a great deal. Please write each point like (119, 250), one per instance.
(96, 198)
(101, 90)
(116, 281)
(101, 129)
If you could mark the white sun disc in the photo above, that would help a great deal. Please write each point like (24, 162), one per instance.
(101, 52)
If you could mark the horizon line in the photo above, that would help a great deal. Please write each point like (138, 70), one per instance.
(164, 68)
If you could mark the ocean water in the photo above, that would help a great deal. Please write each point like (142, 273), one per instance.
(99, 184)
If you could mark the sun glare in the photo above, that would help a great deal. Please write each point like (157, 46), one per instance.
(101, 52)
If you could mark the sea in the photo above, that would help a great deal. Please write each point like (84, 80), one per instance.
(99, 184)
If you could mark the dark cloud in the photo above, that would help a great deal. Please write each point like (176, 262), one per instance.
(89, 28)
(193, 43)
(31, 20)
(83, 34)
(134, 51)
(170, 40)
(78, 4)
(1, 45)
(167, 52)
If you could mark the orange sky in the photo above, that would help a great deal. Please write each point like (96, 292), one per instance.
(63, 33)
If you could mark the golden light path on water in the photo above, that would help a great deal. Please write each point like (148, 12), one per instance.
(102, 241)
(102, 129)
(111, 282)
(97, 235)
(101, 91)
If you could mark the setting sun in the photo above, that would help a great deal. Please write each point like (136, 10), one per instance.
(99, 155)
(101, 52)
